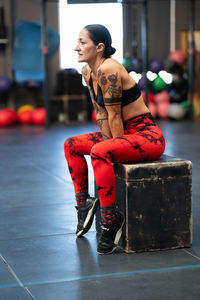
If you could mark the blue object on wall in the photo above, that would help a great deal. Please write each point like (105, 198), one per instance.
(27, 53)
(23, 76)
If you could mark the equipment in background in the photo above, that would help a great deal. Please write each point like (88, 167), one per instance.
(39, 116)
(69, 105)
(3, 31)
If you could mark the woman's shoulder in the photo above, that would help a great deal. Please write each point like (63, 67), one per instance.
(112, 70)
(86, 72)
(110, 65)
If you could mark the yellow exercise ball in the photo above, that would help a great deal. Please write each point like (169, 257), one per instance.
(25, 108)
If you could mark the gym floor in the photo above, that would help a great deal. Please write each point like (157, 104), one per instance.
(40, 256)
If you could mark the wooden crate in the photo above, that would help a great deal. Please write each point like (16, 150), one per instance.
(156, 199)
(73, 109)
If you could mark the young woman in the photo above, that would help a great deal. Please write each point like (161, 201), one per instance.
(128, 134)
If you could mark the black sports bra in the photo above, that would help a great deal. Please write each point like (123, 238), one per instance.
(128, 96)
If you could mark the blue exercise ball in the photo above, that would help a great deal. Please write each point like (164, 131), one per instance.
(136, 65)
(5, 84)
(156, 65)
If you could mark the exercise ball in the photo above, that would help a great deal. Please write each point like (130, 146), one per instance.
(178, 56)
(176, 112)
(5, 84)
(141, 83)
(178, 82)
(172, 67)
(12, 113)
(162, 97)
(177, 96)
(153, 109)
(156, 65)
(39, 116)
(127, 63)
(158, 84)
(25, 108)
(150, 97)
(25, 117)
(162, 109)
(189, 108)
(5, 118)
(94, 119)
(136, 65)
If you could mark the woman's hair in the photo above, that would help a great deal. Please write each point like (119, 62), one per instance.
(100, 34)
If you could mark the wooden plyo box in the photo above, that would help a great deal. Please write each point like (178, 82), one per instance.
(156, 199)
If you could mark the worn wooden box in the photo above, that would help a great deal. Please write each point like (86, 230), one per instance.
(156, 199)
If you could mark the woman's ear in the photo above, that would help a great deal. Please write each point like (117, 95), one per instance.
(100, 47)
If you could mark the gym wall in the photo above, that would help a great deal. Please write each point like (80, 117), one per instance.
(158, 26)
(28, 10)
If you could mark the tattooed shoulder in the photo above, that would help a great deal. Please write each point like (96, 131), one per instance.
(85, 70)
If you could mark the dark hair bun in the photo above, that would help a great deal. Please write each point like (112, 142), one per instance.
(109, 51)
(100, 34)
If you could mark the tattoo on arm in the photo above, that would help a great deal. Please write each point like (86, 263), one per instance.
(105, 137)
(113, 89)
(113, 104)
(100, 122)
(85, 70)
(96, 108)
(112, 101)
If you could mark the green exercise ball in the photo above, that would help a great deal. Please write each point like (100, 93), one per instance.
(159, 84)
(127, 63)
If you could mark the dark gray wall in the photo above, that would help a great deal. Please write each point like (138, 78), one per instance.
(29, 10)
(183, 18)
(158, 26)
(6, 56)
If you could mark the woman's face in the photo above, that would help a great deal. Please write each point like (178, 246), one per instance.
(87, 50)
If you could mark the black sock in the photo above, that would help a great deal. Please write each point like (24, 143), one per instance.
(107, 215)
(80, 198)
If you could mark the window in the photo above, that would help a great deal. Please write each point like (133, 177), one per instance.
(73, 17)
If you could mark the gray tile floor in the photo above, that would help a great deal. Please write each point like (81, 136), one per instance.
(40, 257)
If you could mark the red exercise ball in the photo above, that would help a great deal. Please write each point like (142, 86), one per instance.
(162, 97)
(13, 114)
(162, 109)
(5, 118)
(25, 117)
(153, 109)
(150, 97)
(177, 56)
(39, 116)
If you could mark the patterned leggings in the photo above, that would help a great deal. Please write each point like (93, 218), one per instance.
(142, 140)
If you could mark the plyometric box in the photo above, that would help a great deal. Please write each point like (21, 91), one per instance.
(69, 109)
(156, 199)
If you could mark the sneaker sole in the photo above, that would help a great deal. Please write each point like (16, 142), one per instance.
(116, 241)
(89, 219)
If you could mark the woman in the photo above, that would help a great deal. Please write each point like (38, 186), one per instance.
(128, 134)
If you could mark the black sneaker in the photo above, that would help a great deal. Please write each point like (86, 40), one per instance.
(86, 215)
(110, 235)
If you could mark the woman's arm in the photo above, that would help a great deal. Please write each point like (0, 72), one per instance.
(111, 86)
(101, 113)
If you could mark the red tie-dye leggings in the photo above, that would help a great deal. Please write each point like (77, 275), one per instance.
(142, 140)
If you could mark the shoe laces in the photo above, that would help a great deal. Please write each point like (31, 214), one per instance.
(104, 228)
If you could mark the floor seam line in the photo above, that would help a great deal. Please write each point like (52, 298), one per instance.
(41, 236)
(20, 283)
(100, 276)
(193, 255)
(47, 172)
